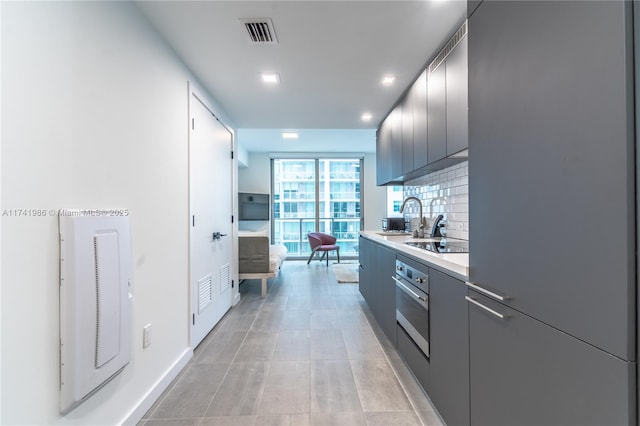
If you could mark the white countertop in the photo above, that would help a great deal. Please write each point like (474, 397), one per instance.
(455, 264)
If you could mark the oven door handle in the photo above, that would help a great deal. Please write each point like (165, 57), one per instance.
(408, 290)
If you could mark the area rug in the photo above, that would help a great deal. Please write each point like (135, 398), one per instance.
(346, 273)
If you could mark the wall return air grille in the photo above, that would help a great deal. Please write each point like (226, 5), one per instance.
(451, 44)
(260, 31)
(205, 292)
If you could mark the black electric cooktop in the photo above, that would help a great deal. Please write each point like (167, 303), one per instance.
(442, 246)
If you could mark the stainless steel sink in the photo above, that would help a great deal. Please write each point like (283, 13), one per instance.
(442, 246)
(394, 234)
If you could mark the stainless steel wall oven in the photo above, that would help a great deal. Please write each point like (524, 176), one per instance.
(412, 303)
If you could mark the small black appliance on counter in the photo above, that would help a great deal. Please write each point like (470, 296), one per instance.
(393, 224)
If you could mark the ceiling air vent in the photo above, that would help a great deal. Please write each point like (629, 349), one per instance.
(451, 44)
(260, 31)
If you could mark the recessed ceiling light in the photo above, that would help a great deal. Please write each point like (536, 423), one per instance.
(366, 116)
(270, 78)
(290, 135)
(388, 80)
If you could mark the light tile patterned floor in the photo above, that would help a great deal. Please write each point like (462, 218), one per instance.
(310, 353)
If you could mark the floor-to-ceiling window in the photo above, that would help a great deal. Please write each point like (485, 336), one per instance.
(318, 194)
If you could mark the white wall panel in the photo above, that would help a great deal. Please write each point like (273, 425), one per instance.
(95, 303)
(94, 115)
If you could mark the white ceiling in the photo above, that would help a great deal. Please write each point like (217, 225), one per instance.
(309, 140)
(331, 56)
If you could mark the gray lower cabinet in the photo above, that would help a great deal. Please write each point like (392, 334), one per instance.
(364, 280)
(414, 358)
(386, 309)
(377, 266)
(524, 372)
(449, 347)
(445, 374)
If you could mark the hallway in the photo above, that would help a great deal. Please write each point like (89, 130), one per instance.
(310, 353)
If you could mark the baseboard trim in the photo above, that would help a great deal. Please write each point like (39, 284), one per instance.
(147, 401)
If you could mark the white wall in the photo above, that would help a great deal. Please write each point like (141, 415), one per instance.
(375, 197)
(257, 178)
(94, 116)
(243, 156)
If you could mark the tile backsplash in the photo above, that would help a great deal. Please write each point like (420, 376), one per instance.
(443, 192)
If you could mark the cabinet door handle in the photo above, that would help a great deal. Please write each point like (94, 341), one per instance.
(480, 305)
(487, 292)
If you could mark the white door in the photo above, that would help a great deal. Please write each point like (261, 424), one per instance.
(211, 200)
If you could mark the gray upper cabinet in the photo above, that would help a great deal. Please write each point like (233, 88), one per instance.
(389, 148)
(472, 5)
(551, 166)
(524, 372)
(437, 117)
(419, 96)
(447, 100)
(457, 98)
(383, 149)
(430, 123)
(407, 133)
(395, 147)
(402, 136)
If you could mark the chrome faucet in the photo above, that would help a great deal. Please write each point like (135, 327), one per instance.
(423, 221)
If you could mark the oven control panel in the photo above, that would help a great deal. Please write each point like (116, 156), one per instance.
(412, 275)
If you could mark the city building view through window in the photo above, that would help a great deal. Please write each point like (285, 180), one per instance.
(316, 195)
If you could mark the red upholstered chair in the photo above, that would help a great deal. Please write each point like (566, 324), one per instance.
(324, 243)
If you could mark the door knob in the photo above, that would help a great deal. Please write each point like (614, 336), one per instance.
(217, 235)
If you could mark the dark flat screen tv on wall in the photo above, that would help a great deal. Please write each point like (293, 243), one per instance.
(253, 206)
